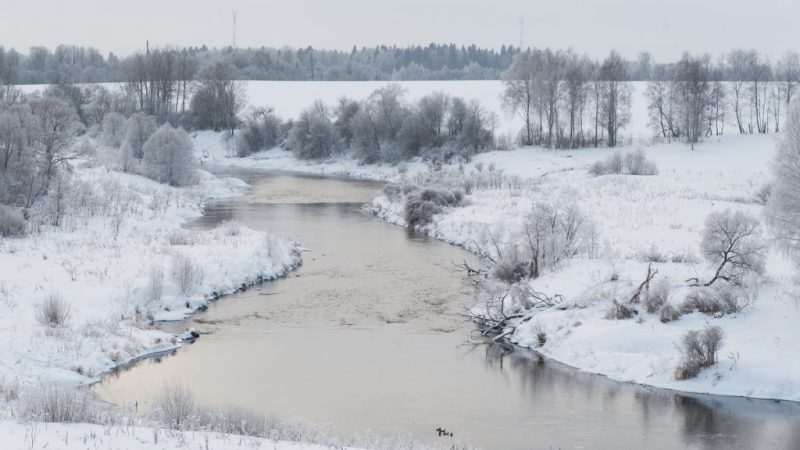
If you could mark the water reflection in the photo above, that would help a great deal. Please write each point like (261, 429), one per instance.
(707, 422)
(355, 339)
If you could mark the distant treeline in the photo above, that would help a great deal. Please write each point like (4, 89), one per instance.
(73, 64)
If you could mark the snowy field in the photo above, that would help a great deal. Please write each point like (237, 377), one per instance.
(66, 436)
(118, 262)
(638, 221)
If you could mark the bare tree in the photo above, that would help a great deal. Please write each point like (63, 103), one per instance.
(732, 242)
(58, 125)
(783, 206)
(218, 99)
(615, 96)
(519, 92)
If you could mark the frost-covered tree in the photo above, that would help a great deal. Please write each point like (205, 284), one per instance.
(218, 99)
(733, 244)
(113, 131)
(58, 125)
(344, 112)
(615, 96)
(692, 90)
(313, 135)
(138, 130)
(22, 176)
(552, 233)
(519, 92)
(168, 157)
(263, 130)
(783, 206)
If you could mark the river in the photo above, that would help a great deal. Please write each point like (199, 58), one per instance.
(367, 336)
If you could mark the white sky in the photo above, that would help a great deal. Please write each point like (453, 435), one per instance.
(664, 27)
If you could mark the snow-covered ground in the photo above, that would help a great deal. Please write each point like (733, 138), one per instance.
(635, 217)
(639, 219)
(66, 436)
(117, 262)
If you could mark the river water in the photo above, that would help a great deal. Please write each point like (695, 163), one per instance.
(367, 336)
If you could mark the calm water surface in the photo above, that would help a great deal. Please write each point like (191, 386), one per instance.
(367, 335)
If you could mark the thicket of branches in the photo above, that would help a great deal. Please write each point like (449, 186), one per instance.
(384, 127)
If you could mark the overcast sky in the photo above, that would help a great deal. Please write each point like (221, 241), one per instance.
(664, 27)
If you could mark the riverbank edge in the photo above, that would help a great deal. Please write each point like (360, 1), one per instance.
(386, 176)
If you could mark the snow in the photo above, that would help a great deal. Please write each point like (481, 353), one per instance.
(100, 263)
(58, 436)
(633, 216)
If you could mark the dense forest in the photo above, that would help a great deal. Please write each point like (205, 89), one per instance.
(73, 64)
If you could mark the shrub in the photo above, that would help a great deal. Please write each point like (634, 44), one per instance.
(510, 270)
(114, 125)
(698, 350)
(313, 136)
(168, 157)
(541, 334)
(620, 311)
(57, 405)
(637, 164)
(553, 232)
(420, 208)
(54, 311)
(181, 237)
(721, 299)
(174, 406)
(657, 296)
(669, 313)
(632, 163)
(155, 285)
(12, 223)
(263, 130)
(187, 273)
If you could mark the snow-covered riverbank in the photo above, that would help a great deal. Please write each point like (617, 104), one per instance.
(118, 261)
(637, 221)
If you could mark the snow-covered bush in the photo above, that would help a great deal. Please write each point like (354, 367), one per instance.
(553, 232)
(60, 405)
(54, 311)
(732, 243)
(510, 268)
(632, 163)
(657, 296)
(12, 222)
(155, 284)
(422, 206)
(113, 132)
(722, 298)
(699, 350)
(669, 313)
(138, 130)
(636, 163)
(187, 273)
(168, 157)
(313, 135)
(620, 311)
(262, 130)
(174, 406)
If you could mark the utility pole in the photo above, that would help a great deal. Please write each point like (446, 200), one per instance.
(234, 28)
(521, 33)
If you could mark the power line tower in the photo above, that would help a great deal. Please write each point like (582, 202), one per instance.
(235, 14)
